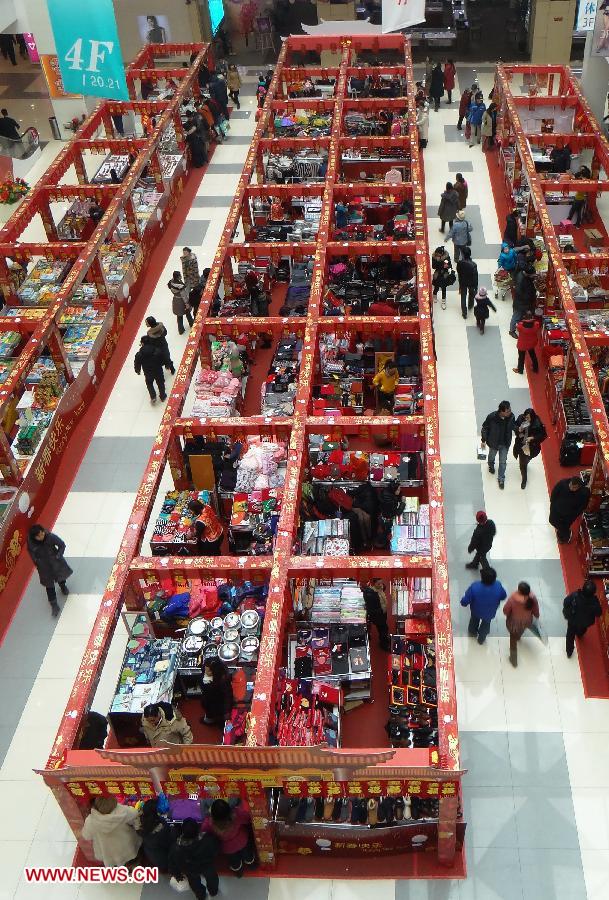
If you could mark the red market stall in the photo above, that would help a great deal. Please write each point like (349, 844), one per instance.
(66, 299)
(272, 410)
(571, 273)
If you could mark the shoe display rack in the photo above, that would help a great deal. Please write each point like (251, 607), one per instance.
(579, 400)
(418, 785)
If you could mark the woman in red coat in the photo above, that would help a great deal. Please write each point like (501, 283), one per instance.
(449, 79)
(528, 336)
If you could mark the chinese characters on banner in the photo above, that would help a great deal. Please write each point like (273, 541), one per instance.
(398, 14)
(88, 50)
(586, 14)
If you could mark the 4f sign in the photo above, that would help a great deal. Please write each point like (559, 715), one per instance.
(88, 50)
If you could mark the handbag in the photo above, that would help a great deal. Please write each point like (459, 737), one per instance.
(181, 887)
(481, 451)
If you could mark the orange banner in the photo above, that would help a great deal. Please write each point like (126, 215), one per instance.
(50, 67)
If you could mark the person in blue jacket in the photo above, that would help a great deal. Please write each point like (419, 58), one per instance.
(483, 598)
(474, 117)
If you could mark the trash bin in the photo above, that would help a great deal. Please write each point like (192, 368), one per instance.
(55, 128)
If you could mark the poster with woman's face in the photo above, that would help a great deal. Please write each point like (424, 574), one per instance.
(600, 38)
(154, 29)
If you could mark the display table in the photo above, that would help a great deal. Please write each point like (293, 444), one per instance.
(174, 534)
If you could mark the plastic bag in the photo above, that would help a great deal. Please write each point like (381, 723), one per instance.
(181, 887)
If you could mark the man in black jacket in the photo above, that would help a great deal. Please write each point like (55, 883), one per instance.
(525, 297)
(568, 500)
(482, 541)
(391, 505)
(497, 431)
(219, 92)
(193, 856)
(467, 273)
(580, 609)
(150, 359)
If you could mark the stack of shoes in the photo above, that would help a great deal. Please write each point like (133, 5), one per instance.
(374, 812)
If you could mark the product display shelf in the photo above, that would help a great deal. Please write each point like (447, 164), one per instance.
(364, 766)
(576, 285)
(81, 265)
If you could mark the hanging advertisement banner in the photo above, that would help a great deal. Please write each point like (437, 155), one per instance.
(586, 14)
(600, 38)
(50, 67)
(32, 49)
(398, 14)
(89, 53)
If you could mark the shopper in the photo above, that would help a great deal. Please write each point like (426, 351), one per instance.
(449, 206)
(9, 127)
(561, 159)
(190, 268)
(156, 835)
(196, 138)
(193, 857)
(482, 302)
(525, 297)
(163, 722)
(391, 505)
(375, 600)
(217, 697)
(496, 433)
(510, 232)
(436, 87)
(467, 273)
(110, 826)
(232, 827)
(508, 258)
(234, 84)
(180, 306)
(149, 359)
(464, 103)
(208, 529)
(486, 128)
(95, 733)
(580, 609)
(579, 199)
(385, 382)
(519, 610)
(449, 79)
(443, 273)
(7, 47)
(528, 330)
(219, 92)
(481, 541)
(460, 185)
(530, 435)
(261, 91)
(483, 598)
(158, 335)
(47, 551)
(568, 500)
(459, 234)
(474, 118)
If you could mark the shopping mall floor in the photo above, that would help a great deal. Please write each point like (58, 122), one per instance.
(536, 794)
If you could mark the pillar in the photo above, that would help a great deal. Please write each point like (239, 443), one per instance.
(551, 31)
(595, 78)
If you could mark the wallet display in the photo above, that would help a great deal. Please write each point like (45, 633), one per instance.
(413, 701)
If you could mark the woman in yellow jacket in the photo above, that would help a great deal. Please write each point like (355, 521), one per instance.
(385, 383)
(234, 84)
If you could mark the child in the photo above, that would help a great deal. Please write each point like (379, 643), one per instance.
(261, 91)
(482, 301)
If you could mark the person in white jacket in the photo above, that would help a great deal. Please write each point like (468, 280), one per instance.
(110, 826)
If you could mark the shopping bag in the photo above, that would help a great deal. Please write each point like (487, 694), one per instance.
(539, 632)
(181, 887)
(481, 450)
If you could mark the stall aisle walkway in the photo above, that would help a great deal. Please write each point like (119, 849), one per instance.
(537, 792)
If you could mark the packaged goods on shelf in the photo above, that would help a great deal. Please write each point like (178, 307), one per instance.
(117, 260)
(173, 532)
(76, 225)
(412, 597)
(253, 522)
(413, 703)
(279, 388)
(342, 601)
(304, 719)
(339, 653)
(9, 341)
(217, 394)
(300, 167)
(119, 162)
(263, 465)
(73, 315)
(145, 202)
(6, 366)
(328, 537)
(148, 671)
(411, 532)
(43, 283)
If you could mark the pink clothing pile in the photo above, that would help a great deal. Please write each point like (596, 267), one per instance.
(216, 394)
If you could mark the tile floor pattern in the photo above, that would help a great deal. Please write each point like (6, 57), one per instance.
(537, 792)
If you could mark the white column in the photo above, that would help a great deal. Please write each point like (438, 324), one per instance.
(595, 78)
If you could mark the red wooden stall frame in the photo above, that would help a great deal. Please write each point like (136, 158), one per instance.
(564, 92)
(34, 489)
(449, 860)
